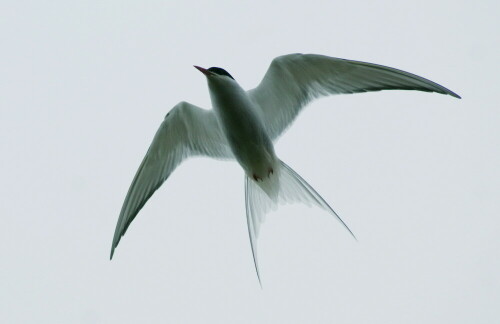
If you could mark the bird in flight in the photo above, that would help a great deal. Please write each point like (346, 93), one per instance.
(243, 125)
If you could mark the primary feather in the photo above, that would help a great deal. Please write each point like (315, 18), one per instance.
(187, 130)
(293, 80)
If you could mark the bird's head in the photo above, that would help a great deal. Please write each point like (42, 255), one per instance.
(221, 84)
(214, 72)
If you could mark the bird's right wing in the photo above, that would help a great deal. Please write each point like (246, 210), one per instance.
(187, 130)
(293, 80)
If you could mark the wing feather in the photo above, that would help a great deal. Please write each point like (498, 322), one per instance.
(292, 81)
(187, 130)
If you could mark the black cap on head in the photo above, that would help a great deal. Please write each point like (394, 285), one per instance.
(220, 71)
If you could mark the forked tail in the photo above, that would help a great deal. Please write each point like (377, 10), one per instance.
(285, 187)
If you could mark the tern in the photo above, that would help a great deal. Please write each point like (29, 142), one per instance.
(243, 126)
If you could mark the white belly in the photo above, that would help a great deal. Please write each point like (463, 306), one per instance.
(245, 132)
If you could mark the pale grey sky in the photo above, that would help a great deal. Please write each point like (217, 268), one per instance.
(85, 85)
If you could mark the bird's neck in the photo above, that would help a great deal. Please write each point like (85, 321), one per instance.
(230, 102)
(236, 112)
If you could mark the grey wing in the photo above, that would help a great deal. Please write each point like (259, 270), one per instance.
(294, 80)
(186, 131)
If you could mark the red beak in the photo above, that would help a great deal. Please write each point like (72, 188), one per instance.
(202, 70)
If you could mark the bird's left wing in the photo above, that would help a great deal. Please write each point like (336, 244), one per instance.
(293, 80)
(187, 130)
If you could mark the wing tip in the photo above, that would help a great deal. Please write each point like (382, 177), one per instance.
(113, 248)
(451, 93)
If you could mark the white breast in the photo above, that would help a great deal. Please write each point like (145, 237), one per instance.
(242, 126)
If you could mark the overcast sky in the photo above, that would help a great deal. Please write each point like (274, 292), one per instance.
(84, 87)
